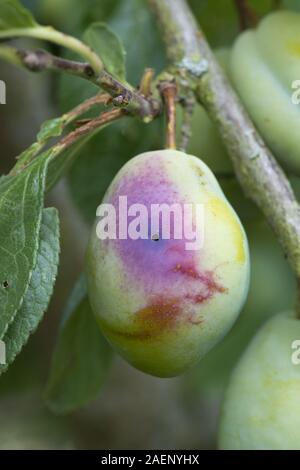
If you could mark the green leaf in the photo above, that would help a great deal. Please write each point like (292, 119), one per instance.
(81, 358)
(136, 26)
(59, 159)
(108, 46)
(61, 162)
(39, 291)
(21, 203)
(3, 178)
(15, 21)
(49, 129)
(13, 16)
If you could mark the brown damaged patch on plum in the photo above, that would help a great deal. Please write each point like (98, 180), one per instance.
(164, 314)
(151, 321)
(207, 280)
(159, 316)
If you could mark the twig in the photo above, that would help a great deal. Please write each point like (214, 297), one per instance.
(101, 98)
(73, 137)
(39, 60)
(123, 94)
(257, 170)
(247, 15)
(30, 154)
(47, 33)
(93, 124)
(169, 93)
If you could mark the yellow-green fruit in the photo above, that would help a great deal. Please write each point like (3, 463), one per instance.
(261, 407)
(161, 305)
(263, 66)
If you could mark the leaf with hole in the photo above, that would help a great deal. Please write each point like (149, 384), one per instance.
(21, 203)
(39, 291)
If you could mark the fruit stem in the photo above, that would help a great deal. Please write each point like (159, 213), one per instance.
(169, 93)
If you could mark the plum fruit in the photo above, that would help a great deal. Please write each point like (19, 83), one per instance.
(261, 406)
(161, 305)
(264, 64)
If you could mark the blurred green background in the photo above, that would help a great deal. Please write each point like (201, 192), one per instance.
(133, 411)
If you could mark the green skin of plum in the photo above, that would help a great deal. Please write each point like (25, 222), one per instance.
(263, 65)
(163, 308)
(261, 405)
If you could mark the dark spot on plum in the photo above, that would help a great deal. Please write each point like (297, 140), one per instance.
(5, 284)
(155, 237)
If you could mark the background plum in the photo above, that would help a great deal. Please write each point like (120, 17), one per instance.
(263, 65)
(260, 410)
